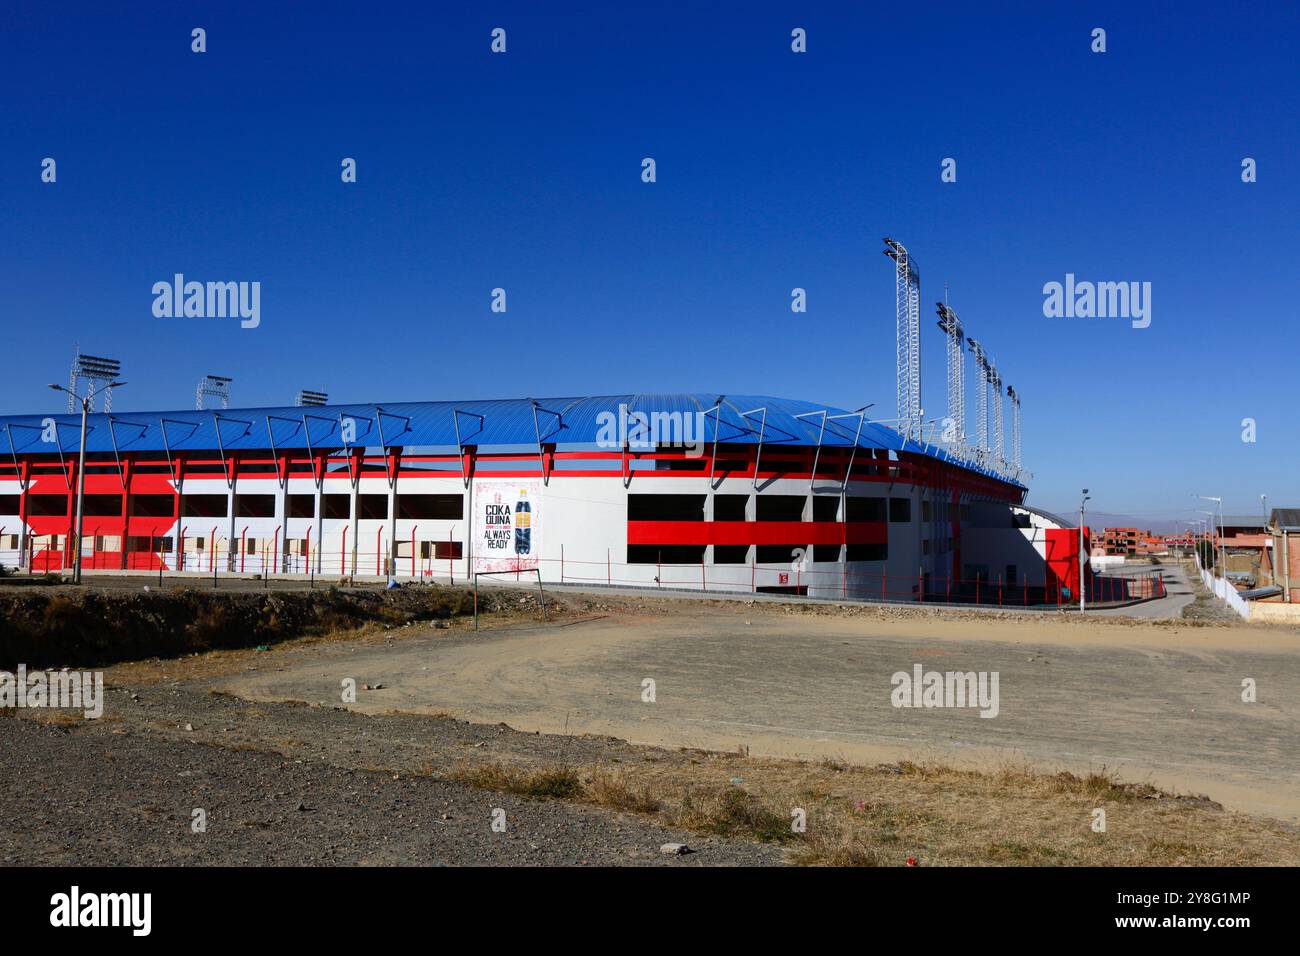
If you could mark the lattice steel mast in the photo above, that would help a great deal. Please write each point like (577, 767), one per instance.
(907, 304)
(982, 401)
(952, 329)
(995, 383)
(1015, 428)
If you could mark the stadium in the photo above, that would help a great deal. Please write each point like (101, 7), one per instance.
(702, 492)
(696, 491)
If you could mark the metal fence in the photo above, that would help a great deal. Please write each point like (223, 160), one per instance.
(443, 562)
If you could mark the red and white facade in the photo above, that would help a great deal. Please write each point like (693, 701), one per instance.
(741, 517)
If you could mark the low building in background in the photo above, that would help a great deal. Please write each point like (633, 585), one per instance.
(1246, 547)
(1283, 534)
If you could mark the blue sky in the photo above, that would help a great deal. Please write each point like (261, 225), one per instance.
(775, 171)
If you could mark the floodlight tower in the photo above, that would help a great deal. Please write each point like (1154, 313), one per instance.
(907, 306)
(98, 370)
(215, 386)
(307, 397)
(982, 401)
(1015, 427)
(952, 329)
(995, 381)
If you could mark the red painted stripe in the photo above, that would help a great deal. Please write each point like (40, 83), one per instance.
(756, 532)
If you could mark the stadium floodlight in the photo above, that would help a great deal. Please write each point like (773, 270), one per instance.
(308, 398)
(215, 386)
(96, 368)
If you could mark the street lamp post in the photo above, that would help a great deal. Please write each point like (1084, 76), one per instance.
(1082, 558)
(81, 472)
(1223, 552)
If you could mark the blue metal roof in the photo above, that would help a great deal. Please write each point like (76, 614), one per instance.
(570, 422)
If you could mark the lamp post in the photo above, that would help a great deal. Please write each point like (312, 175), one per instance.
(81, 471)
(1210, 532)
(1082, 559)
(1223, 553)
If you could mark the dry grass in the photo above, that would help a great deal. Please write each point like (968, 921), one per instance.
(545, 783)
(903, 814)
(47, 716)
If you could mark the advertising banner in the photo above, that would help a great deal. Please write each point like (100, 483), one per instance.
(506, 525)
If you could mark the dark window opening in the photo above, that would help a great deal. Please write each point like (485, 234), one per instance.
(107, 506)
(867, 552)
(665, 507)
(372, 507)
(203, 506)
(826, 552)
(9, 504)
(730, 553)
(778, 553)
(729, 507)
(826, 509)
(779, 507)
(666, 554)
(152, 506)
(336, 506)
(900, 510)
(254, 506)
(865, 509)
(430, 507)
(680, 464)
(301, 506)
(46, 506)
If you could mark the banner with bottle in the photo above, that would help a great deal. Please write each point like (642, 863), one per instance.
(506, 525)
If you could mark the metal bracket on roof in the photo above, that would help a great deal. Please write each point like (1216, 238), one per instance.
(318, 477)
(460, 444)
(717, 416)
(281, 480)
(812, 478)
(379, 421)
(390, 473)
(63, 465)
(13, 452)
(354, 475)
(162, 426)
(762, 431)
(221, 447)
(537, 430)
(623, 433)
(112, 434)
(862, 417)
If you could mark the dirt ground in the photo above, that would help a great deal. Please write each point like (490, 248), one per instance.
(550, 724)
(1155, 702)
